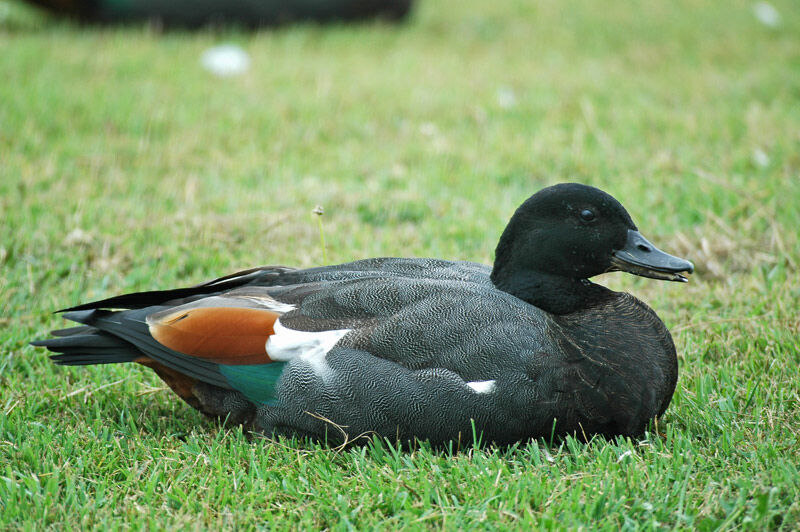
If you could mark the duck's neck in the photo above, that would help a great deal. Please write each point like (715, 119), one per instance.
(552, 293)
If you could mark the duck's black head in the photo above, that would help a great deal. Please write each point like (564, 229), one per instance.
(564, 234)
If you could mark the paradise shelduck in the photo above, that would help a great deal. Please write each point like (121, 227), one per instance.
(416, 348)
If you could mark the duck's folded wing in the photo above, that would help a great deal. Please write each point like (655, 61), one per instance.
(237, 332)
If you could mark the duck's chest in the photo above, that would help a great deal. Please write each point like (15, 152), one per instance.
(622, 332)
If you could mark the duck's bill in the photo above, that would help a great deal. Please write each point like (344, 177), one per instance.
(640, 257)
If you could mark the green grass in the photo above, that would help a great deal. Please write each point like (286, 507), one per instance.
(124, 166)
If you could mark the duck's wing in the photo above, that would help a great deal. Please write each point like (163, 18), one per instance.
(238, 331)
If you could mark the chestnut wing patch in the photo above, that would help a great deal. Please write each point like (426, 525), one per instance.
(241, 332)
(224, 335)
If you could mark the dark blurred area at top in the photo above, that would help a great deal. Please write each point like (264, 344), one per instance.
(245, 13)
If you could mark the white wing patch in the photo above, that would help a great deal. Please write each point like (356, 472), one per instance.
(232, 299)
(482, 386)
(271, 304)
(248, 294)
(311, 347)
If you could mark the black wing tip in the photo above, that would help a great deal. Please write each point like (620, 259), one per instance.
(84, 316)
(123, 302)
(137, 300)
(85, 306)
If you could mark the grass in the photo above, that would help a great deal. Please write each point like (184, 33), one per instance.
(124, 166)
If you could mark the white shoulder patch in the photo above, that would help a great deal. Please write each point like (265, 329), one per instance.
(269, 303)
(482, 386)
(312, 347)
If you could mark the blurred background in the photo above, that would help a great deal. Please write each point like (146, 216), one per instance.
(417, 137)
(156, 152)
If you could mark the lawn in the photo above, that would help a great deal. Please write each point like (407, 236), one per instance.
(125, 166)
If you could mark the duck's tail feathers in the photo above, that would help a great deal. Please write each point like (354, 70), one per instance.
(84, 345)
(109, 337)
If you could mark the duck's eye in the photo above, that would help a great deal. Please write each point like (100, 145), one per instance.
(587, 215)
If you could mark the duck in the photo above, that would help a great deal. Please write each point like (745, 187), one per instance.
(247, 13)
(415, 349)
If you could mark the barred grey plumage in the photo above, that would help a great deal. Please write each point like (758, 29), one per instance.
(416, 348)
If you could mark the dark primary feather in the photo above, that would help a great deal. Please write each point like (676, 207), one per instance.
(183, 295)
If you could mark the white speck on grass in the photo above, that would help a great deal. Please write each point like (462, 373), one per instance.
(428, 129)
(78, 237)
(506, 98)
(760, 158)
(435, 137)
(767, 14)
(225, 60)
(624, 455)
